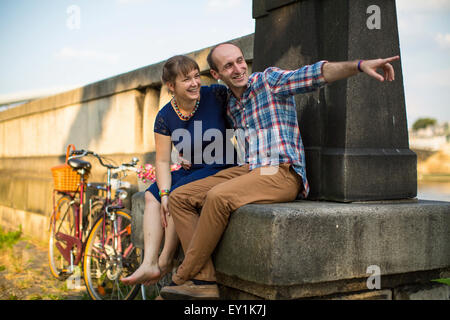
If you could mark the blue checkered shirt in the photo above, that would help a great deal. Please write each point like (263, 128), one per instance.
(267, 118)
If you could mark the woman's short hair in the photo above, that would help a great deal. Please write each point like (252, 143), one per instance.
(177, 65)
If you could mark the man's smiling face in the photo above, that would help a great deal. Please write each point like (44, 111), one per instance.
(231, 67)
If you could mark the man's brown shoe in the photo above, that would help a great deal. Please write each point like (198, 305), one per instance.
(191, 290)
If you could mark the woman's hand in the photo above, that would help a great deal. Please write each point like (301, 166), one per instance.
(185, 164)
(164, 210)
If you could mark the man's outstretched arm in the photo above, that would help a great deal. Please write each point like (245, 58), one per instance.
(333, 71)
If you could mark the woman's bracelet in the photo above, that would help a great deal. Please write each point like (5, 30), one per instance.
(164, 192)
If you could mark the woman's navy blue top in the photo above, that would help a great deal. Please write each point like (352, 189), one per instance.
(202, 139)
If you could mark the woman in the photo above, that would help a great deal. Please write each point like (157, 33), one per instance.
(193, 107)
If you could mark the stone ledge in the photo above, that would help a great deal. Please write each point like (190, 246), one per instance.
(290, 250)
(235, 288)
(312, 242)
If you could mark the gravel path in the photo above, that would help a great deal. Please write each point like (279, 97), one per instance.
(25, 275)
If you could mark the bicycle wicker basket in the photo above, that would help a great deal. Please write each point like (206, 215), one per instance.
(64, 177)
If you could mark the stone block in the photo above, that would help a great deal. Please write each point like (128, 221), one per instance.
(282, 247)
(367, 295)
(421, 292)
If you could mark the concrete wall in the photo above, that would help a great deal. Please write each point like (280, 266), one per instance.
(113, 117)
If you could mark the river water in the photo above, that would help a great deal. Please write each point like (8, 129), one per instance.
(433, 190)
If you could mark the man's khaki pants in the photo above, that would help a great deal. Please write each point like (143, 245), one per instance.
(218, 196)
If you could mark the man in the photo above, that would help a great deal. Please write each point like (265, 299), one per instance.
(262, 101)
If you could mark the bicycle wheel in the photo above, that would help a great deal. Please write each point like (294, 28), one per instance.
(62, 221)
(108, 257)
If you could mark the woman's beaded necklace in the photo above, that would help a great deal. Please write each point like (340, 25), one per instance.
(182, 116)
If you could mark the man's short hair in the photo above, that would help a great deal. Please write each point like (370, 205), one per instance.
(210, 60)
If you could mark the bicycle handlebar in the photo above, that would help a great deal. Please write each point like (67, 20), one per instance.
(123, 167)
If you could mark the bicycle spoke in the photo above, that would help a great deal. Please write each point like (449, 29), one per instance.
(120, 295)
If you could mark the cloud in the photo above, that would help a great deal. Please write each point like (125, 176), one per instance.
(426, 80)
(443, 40)
(413, 24)
(133, 1)
(71, 53)
(215, 5)
(423, 6)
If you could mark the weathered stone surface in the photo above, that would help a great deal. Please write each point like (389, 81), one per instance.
(31, 224)
(355, 130)
(368, 295)
(321, 290)
(310, 242)
(429, 292)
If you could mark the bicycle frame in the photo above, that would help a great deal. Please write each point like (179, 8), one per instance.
(109, 203)
(72, 242)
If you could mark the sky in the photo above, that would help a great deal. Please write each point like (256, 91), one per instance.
(55, 45)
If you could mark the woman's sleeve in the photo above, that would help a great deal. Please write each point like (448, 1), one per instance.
(161, 126)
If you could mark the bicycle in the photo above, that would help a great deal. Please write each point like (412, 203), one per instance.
(107, 254)
(67, 226)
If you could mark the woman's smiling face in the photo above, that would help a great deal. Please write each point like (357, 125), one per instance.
(186, 86)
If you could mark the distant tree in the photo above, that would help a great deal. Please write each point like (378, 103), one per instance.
(423, 123)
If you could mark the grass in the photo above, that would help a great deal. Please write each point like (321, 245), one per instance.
(443, 280)
(8, 239)
(46, 297)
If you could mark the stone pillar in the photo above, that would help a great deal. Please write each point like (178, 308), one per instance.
(354, 131)
(151, 107)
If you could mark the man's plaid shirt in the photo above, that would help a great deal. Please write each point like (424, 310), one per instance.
(267, 116)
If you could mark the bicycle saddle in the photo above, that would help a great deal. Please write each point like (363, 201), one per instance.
(79, 164)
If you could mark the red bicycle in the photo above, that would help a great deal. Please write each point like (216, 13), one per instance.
(107, 254)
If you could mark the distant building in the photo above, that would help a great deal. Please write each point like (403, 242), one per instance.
(431, 138)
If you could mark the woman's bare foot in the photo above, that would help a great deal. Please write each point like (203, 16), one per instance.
(145, 274)
(164, 267)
